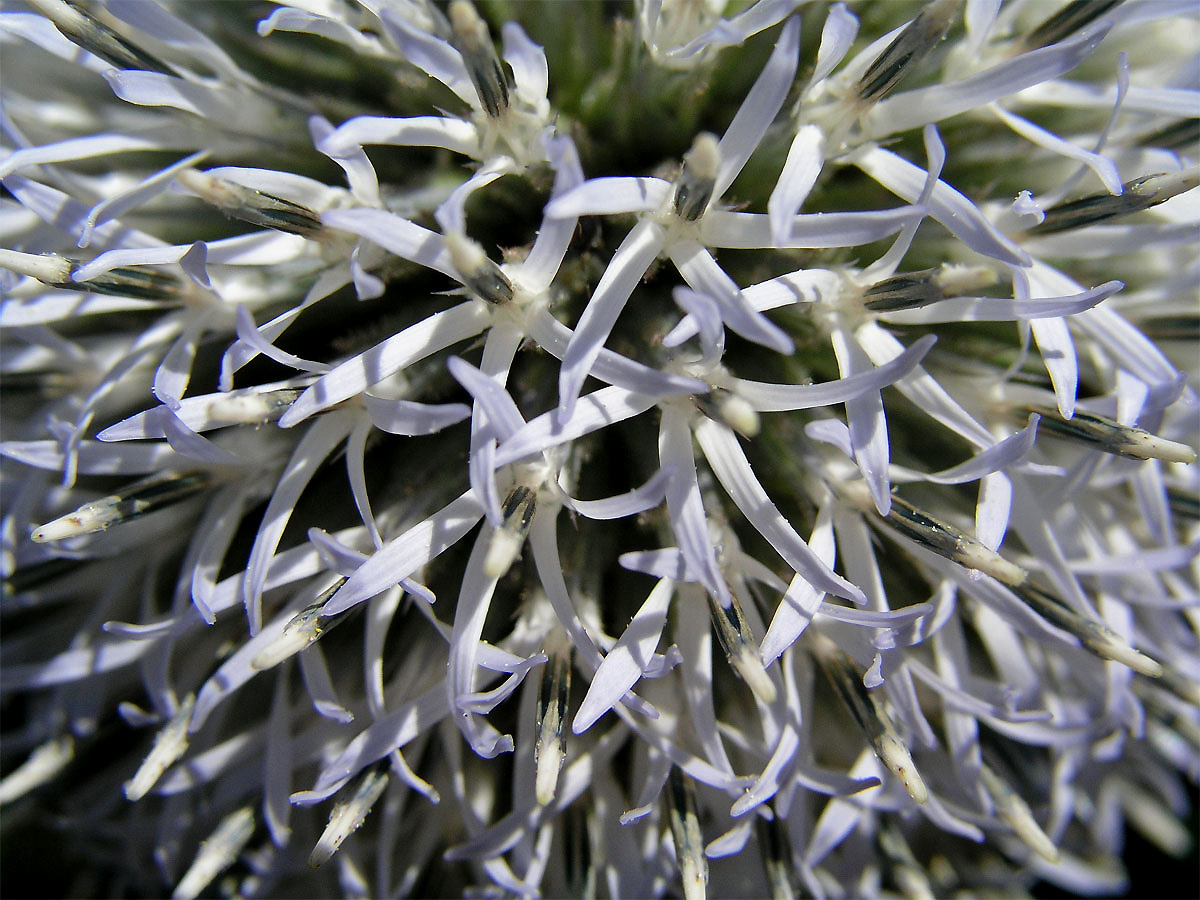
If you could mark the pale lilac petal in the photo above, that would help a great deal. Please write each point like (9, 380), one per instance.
(409, 418)
(978, 18)
(689, 524)
(396, 235)
(411, 719)
(187, 443)
(94, 458)
(403, 556)
(800, 171)
(314, 448)
(366, 285)
(704, 275)
(481, 474)
(703, 314)
(837, 35)
(451, 216)
(55, 306)
(554, 237)
(288, 18)
(935, 158)
(803, 286)
(502, 413)
(235, 671)
(756, 17)
(624, 664)
(958, 214)
(360, 174)
(1058, 352)
(732, 469)
(414, 343)
(199, 413)
(430, 54)
(474, 598)
(626, 269)
(150, 256)
(553, 337)
(606, 196)
(768, 782)
(418, 131)
(752, 231)
(638, 500)
(759, 108)
(665, 563)
(1104, 168)
(868, 426)
(1007, 452)
(77, 148)
(943, 100)
(1153, 560)
(226, 512)
(801, 601)
(57, 209)
(249, 335)
(277, 765)
(657, 770)
(922, 389)
(528, 62)
(767, 397)
(145, 190)
(543, 539)
(993, 509)
(998, 309)
(596, 410)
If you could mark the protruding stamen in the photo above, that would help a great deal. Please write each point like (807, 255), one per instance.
(347, 817)
(738, 414)
(1179, 135)
(582, 873)
(946, 540)
(1112, 437)
(136, 500)
(217, 853)
(1098, 638)
(739, 645)
(42, 766)
(685, 828)
(474, 43)
(912, 290)
(1180, 685)
(1064, 23)
(305, 628)
(907, 51)
(908, 874)
(694, 187)
(249, 205)
(1139, 194)
(777, 858)
(169, 745)
(140, 282)
(479, 273)
(550, 750)
(249, 407)
(94, 36)
(1154, 820)
(869, 711)
(1015, 813)
(506, 541)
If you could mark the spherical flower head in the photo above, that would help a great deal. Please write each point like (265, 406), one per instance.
(634, 450)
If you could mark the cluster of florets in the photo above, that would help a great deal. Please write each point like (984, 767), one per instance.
(337, 317)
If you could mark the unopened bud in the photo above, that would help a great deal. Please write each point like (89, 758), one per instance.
(133, 502)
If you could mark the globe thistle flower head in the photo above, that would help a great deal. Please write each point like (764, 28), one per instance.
(678, 448)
